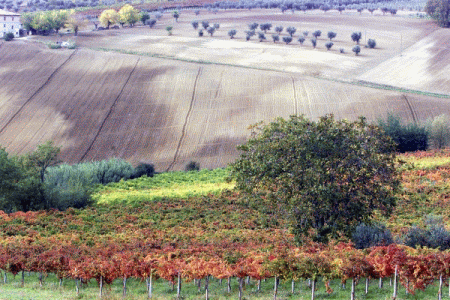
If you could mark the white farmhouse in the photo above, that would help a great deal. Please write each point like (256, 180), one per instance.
(9, 22)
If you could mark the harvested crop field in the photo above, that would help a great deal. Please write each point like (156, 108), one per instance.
(184, 98)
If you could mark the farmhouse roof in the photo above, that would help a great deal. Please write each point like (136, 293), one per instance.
(7, 13)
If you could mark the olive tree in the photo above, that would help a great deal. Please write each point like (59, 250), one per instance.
(331, 35)
(356, 49)
(325, 176)
(291, 30)
(232, 33)
(356, 36)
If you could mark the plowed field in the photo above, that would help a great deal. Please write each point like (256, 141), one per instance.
(182, 98)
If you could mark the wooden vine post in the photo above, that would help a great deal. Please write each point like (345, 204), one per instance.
(352, 295)
(150, 285)
(124, 291)
(179, 285)
(229, 285)
(440, 288)
(275, 288)
(367, 285)
(394, 296)
(101, 286)
(313, 288)
(241, 282)
(207, 287)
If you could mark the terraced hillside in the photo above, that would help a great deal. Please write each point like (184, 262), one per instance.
(169, 108)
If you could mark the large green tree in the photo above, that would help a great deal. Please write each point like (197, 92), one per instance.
(439, 10)
(327, 176)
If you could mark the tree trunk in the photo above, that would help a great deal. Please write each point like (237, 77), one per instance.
(5, 278)
(207, 287)
(124, 291)
(77, 287)
(367, 285)
(313, 289)
(241, 283)
(40, 279)
(220, 281)
(394, 296)
(23, 277)
(275, 288)
(60, 282)
(292, 286)
(179, 285)
(380, 283)
(440, 288)
(229, 284)
(258, 285)
(352, 295)
(247, 280)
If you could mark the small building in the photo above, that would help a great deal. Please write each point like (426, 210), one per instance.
(9, 22)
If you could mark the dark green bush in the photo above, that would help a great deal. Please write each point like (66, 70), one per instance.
(434, 237)
(192, 166)
(409, 137)
(9, 36)
(144, 169)
(366, 236)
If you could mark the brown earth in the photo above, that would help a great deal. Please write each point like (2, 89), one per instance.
(181, 98)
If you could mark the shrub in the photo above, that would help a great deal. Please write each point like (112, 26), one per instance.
(144, 169)
(341, 50)
(265, 26)
(410, 137)
(275, 38)
(261, 36)
(211, 30)
(331, 35)
(194, 24)
(434, 236)
(54, 46)
(317, 33)
(301, 40)
(305, 33)
(232, 33)
(9, 36)
(216, 26)
(356, 49)
(356, 36)
(151, 23)
(192, 166)
(314, 43)
(112, 170)
(371, 43)
(287, 39)
(329, 45)
(169, 30)
(279, 29)
(366, 236)
(205, 24)
(291, 30)
(439, 131)
(200, 32)
(253, 26)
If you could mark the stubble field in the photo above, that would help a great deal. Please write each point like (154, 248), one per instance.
(145, 96)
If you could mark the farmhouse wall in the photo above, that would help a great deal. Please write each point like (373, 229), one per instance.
(9, 22)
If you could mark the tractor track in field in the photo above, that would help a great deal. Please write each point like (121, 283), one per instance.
(183, 130)
(295, 96)
(410, 109)
(38, 91)
(109, 112)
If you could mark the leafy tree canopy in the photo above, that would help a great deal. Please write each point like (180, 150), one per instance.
(326, 176)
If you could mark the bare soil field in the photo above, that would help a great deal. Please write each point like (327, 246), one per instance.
(184, 98)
